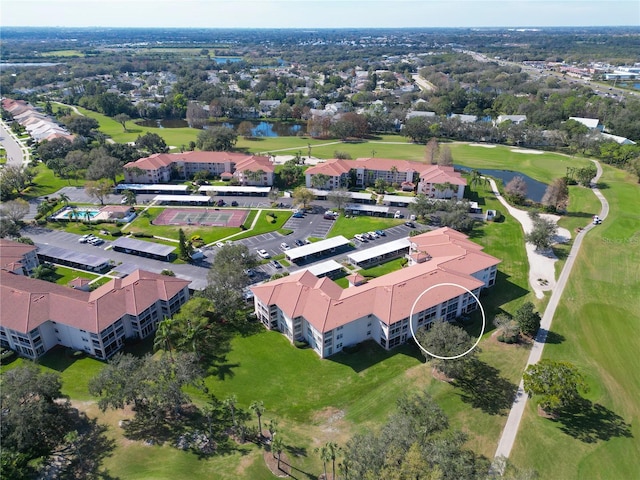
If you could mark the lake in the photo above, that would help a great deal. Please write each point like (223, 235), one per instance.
(535, 189)
(260, 129)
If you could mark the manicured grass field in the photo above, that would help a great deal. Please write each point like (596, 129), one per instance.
(65, 275)
(46, 183)
(598, 326)
(348, 227)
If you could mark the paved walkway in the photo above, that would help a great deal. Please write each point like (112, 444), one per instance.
(517, 409)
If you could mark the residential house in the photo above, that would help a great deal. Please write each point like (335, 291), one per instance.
(515, 119)
(316, 310)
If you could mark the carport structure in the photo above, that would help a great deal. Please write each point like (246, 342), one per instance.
(182, 199)
(380, 253)
(144, 249)
(235, 190)
(330, 268)
(364, 209)
(316, 249)
(141, 188)
(72, 258)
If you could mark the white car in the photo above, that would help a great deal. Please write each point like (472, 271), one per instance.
(373, 235)
(219, 244)
(263, 253)
(85, 238)
(284, 246)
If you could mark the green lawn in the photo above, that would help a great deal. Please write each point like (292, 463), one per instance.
(46, 183)
(64, 275)
(598, 326)
(348, 227)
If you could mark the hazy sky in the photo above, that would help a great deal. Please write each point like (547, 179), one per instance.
(318, 13)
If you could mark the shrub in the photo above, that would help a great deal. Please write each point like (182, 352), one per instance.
(271, 218)
(167, 272)
(300, 344)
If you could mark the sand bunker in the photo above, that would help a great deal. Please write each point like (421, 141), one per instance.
(522, 150)
(481, 145)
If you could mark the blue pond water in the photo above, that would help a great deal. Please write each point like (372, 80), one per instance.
(535, 189)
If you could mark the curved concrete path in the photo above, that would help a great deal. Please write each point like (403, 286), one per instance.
(517, 409)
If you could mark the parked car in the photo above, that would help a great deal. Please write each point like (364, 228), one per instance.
(262, 253)
(298, 215)
(234, 204)
(95, 241)
(85, 238)
(249, 272)
(219, 244)
(381, 233)
(373, 235)
(284, 246)
(410, 224)
(360, 237)
(276, 264)
(298, 242)
(220, 203)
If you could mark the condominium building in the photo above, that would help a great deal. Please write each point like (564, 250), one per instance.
(35, 315)
(328, 317)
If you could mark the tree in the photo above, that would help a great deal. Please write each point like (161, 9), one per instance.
(319, 180)
(423, 206)
(258, 409)
(129, 197)
(556, 195)
(432, 152)
(477, 179)
(584, 175)
(216, 139)
(227, 279)
(303, 196)
(34, 418)
(152, 143)
(291, 173)
(558, 383)
(417, 129)
(447, 340)
(196, 116)
(245, 129)
(154, 387)
(542, 233)
(80, 124)
(444, 157)
(99, 189)
(277, 446)
(516, 190)
(527, 320)
(64, 198)
(508, 328)
(103, 165)
(122, 119)
(13, 180)
(184, 246)
(14, 210)
(272, 426)
(44, 272)
(339, 197)
(325, 456)
(231, 403)
(55, 148)
(380, 185)
(164, 337)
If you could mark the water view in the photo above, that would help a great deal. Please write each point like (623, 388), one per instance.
(535, 189)
(260, 129)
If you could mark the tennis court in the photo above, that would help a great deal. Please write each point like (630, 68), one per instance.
(206, 217)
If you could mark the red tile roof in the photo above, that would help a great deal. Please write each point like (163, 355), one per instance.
(11, 253)
(158, 160)
(326, 306)
(28, 303)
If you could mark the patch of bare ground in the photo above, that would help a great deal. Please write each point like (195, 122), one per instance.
(438, 375)
(283, 470)
(544, 414)
(245, 462)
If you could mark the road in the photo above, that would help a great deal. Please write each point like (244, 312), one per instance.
(517, 409)
(17, 153)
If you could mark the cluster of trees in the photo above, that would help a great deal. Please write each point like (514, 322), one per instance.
(443, 213)
(415, 443)
(526, 321)
(11, 214)
(542, 233)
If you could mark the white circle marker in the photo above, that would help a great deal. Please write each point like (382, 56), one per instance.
(413, 334)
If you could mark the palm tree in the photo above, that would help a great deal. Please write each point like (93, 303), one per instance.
(276, 448)
(87, 216)
(477, 179)
(325, 456)
(272, 426)
(394, 172)
(64, 198)
(230, 403)
(258, 409)
(332, 449)
(163, 339)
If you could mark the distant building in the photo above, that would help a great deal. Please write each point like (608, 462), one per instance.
(365, 171)
(516, 119)
(328, 317)
(162, 167)
(590, 123)
(37, 315)
(18, 258)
